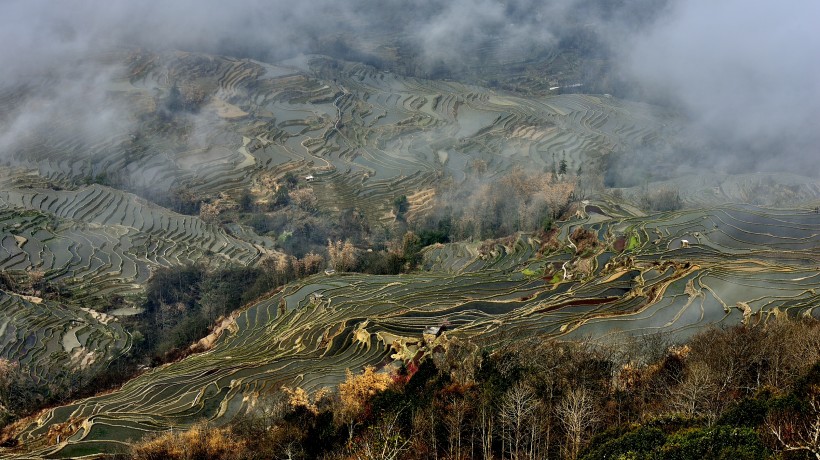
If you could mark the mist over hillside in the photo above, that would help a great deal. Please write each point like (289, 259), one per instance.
(744, 75)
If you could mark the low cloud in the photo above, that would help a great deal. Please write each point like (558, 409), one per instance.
(746, 75)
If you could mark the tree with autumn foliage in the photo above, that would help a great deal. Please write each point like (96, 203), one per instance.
(200, 441)
(343, 255)
(354, 394)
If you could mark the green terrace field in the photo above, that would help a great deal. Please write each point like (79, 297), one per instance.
(628, 275)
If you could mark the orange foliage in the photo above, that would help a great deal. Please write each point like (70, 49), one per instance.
(201, 441)
(60, 431)
(299, 398)
(342, 255)
(583, 239)
(356, 390)
(312, 263)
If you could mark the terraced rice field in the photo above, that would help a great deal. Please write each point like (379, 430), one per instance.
(95, 242)
(708, 188)
(742, 263)
(47, 338)
(397, 135)
(367, 136)
(101, 240)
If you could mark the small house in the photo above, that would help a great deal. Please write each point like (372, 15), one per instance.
(684, 243)
(432, 330)
(309, 178)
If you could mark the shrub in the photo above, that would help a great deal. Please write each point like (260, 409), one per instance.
(202, 441)
(663, 199)
(641, 441)
(721, 442)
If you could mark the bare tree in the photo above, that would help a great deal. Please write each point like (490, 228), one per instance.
(517, 409)
(485, 421)
(383, 441)
(662, 199)
(460, 361)
(577, 413)
(454, 419)
(423, 441)
(312, 263)
(693, 393)
(786, 350)
(292, 451)
(348, 256)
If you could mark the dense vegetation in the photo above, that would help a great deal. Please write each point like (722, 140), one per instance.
(737, 393)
